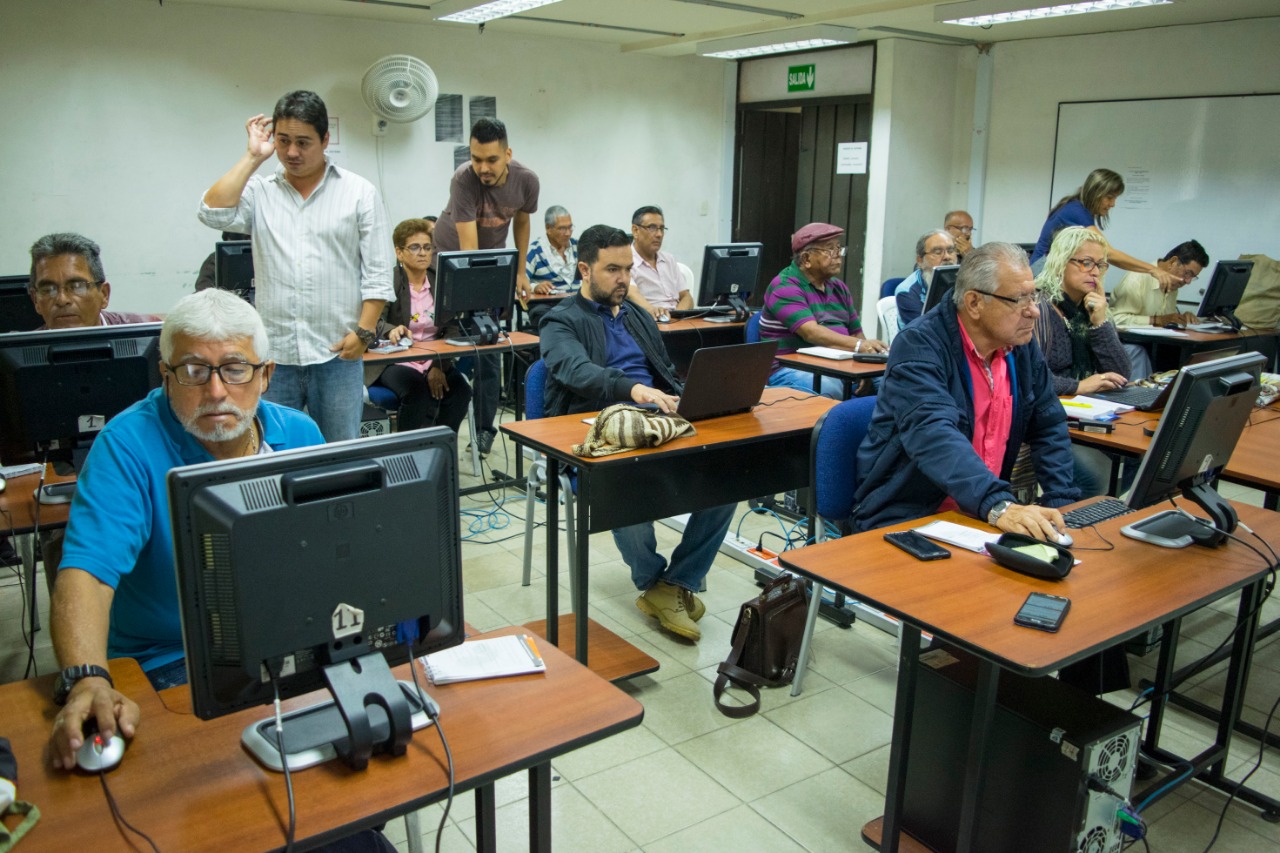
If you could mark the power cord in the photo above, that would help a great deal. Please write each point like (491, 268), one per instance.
(434, 713)
(284, 759)
(1262, 746)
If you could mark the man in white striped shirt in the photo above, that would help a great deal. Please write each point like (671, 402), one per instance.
(322, 259)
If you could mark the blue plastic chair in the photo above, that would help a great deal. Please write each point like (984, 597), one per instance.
(833, 453)
(753, 329)
(535, 385)
(887, 288)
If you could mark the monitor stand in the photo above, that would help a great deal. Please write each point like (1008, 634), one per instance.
(322, 732)
(1177, 528)
(487, 331)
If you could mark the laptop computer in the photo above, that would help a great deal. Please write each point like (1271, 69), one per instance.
(1146, 399)
(726, 380)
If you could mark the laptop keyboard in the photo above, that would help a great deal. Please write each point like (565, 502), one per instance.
(1137, 396)
(1096, 513)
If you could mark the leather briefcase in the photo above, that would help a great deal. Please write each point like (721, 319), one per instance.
(766, 643)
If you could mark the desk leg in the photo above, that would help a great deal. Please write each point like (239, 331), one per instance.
(984, 710)
(486, 821)
(25, 545)
(582, 566)
(900, 745)
(553, 551)
(540, 808)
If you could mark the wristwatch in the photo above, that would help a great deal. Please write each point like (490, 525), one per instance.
(69, 676)
(366, 337)
(993, 515)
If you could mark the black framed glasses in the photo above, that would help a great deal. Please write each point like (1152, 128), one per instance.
(1021, 303)
(199, 373)
(655, 229)
(1089, 264)
(77, 288)
(418, 248)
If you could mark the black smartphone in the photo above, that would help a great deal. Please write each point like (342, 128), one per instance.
(1043, 611)
(917, 546)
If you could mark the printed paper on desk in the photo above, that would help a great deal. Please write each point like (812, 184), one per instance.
(496, 657)
(1152, 330)
(959, 535)
(1094, 408)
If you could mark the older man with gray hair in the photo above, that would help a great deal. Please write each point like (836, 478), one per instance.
(934, 249)
(116, 594)
(964, 388)
(552, 261)
(69, 287)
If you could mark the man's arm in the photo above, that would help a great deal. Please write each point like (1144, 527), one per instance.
(81, 614)
(634, 294)
(816, 334)
(685, 300)
(376, 288)
(520, 230)
(468, 236)
(226, 191)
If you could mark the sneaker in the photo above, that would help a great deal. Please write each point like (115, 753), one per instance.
(693, 604)
(485, 443)
(666, 603)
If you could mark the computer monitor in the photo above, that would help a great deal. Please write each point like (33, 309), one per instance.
(477, 287)
(1208, 408)
(729, 275)
(233, 268)
(1225, 290)
(58, 388)
(320, 567)
(942, 283)
(17, 311)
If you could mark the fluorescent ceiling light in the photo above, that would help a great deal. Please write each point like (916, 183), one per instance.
(983, 13)
(496, 9)
(778, 41)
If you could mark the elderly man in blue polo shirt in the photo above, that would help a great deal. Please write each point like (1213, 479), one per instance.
(116, 594)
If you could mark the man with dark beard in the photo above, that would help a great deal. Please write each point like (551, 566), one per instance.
(116, 594)
(601, 349)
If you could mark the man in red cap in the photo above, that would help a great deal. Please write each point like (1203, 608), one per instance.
(807, 305)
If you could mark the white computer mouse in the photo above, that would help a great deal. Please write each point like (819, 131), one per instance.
(99, 753)
(1064, 539)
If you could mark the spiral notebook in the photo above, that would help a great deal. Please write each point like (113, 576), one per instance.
(496, 657)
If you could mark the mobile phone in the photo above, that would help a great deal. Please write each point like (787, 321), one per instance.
(917, 546)
(1043, 611)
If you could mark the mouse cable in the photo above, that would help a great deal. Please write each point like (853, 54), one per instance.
(434, 713)
(284, 760)
(31, 668)
(1262, 746)
(119, 817)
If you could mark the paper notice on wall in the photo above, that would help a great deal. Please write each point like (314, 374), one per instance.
(335, 137)
(851, 158)
(1137, 189)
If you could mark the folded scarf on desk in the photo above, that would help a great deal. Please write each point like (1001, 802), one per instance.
(622, 427)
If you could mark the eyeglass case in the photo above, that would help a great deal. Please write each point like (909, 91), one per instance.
(1002, 551)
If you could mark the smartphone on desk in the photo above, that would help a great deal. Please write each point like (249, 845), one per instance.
(1043, 611)
(917, 546)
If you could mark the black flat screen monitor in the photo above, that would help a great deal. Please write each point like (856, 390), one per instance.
(730, 272)
(1202, 421)
(17, 311)
(233, 268)
(59, 387)
(942, 283)
(1226, 289)
(321, 567)
(477, 287)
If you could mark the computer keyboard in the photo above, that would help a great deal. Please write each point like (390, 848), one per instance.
(1211, 326)
(702, 311)
(1137, 396)
(1096, 513)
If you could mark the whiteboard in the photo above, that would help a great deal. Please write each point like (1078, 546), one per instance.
(1194, 168)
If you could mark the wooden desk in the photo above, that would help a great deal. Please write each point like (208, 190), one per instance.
(1115, 595)
(538, 299)
(422, 350)
(1169, 352)
(847, 371)
(18, 509)
(189, 785)
(730, 459)
(684, 337)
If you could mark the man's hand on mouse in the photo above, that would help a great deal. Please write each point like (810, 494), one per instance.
(1041, 522)
(95, 698)
(645, 394)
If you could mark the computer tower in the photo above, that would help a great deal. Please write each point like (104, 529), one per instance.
(1046, 739)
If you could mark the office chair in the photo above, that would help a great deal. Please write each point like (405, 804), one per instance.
(887, 288)
(752, 330)
(382, 397)
(535, 384)
(833, 451)
(887, 309)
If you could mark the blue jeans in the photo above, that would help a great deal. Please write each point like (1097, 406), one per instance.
(802, 380)
(332, 392)
(691, 559)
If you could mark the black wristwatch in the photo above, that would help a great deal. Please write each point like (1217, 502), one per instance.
(69, 676)
(366, 337)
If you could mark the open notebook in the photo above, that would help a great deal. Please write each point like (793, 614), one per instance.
(496, 657)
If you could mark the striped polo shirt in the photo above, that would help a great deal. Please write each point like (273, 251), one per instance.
(791, 300)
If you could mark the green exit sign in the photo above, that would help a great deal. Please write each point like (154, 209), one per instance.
(800, 78)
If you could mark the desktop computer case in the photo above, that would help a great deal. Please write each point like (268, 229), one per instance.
(1046, 739)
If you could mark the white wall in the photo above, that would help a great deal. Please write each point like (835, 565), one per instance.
(1032, 77)
(119, 115)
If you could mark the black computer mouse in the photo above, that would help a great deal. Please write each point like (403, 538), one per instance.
(1175, 326)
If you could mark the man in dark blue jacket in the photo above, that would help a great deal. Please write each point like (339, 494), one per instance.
(964, 388)
(601, 349)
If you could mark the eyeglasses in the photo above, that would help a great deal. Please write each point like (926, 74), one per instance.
(1021, 303)
(77, 288)
(833, 251)
(1186, 275)
(199, 373)
(418, 248)
(654, 229)
(961, 229)
(941, 253)
(1089, 264)
(567, 229)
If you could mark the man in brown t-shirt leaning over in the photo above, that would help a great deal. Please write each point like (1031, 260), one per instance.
(486, 196)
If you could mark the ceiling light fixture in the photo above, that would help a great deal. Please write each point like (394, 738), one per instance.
(778, 41)
(496, 9)
(982, 13)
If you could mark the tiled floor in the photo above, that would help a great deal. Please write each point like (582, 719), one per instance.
(804, 774)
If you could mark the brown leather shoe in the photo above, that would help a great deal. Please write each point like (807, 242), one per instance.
(665, 602)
